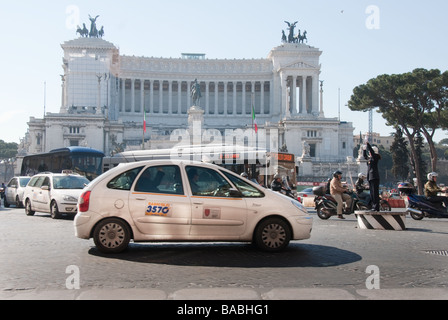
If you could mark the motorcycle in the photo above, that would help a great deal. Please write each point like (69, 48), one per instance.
(286, 190)
(419, 206)
(326, 205)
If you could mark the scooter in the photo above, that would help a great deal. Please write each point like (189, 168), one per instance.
(419, 206)
(326, 205)
(286, 190)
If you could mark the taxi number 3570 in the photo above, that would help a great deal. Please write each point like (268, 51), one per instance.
(157, 209)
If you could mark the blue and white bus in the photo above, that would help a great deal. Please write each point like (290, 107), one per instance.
(84, 161)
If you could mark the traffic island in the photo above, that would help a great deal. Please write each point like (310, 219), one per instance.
(381, 220)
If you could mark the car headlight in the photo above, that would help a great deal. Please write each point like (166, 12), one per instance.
(298, 205)
(69, 198)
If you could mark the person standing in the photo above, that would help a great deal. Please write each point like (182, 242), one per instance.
(372, 156)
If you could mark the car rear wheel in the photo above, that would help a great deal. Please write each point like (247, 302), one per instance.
(112, 235)
(272, 234)
(18, 202)
(28, 210)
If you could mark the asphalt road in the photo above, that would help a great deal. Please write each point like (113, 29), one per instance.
(42, 259)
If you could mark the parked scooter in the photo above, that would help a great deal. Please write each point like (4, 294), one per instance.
(326, 205)
(419, 206)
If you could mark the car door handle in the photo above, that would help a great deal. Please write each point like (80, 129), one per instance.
(256, 205)
(198, 202)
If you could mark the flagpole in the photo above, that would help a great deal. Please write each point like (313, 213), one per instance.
(144, 129)
(252, 110)
(254, 120)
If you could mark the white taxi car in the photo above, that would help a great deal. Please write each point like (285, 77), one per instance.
(54, 193)
(185, 201)
(14, 191)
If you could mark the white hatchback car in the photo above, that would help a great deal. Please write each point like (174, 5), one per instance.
(185, 201)
(54, 193)
(14, 191)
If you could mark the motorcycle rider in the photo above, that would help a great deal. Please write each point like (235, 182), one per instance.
(337, 190)
(280, 186)
(276, 184)
(360, 187)
(432, 189)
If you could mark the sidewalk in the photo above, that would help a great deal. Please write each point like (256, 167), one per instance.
(229, 294)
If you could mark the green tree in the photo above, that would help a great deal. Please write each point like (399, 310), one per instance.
(384, 165)
(400, 156)
(419, 162)
(414, 102)
(8, 150)
(427, 92)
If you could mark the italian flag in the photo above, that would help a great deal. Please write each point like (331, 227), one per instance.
(144, 121)
(254, 120)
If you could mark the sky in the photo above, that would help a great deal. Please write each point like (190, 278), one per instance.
(359, 40)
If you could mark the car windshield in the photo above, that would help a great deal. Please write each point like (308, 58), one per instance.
(70, 182)
(24, 181)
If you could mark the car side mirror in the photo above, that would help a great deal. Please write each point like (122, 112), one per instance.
(45, 188)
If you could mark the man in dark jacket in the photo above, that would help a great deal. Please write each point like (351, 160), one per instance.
(372, 156)
(276, 184)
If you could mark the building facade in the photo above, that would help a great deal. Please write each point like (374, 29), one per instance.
(106, 97)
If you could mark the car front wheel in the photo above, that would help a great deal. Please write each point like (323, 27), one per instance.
(54, 211)
(272, 234)
(111, 235)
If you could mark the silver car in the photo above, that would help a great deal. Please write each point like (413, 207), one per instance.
(305, 193)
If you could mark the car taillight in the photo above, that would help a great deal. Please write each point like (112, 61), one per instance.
(84, 200)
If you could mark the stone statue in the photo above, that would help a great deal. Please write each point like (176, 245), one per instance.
(93, 30)
(291, 37)
(291, 27)
(284, 39)
(196, 93)
(300, 37)
(84, 32)
(305, 149)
